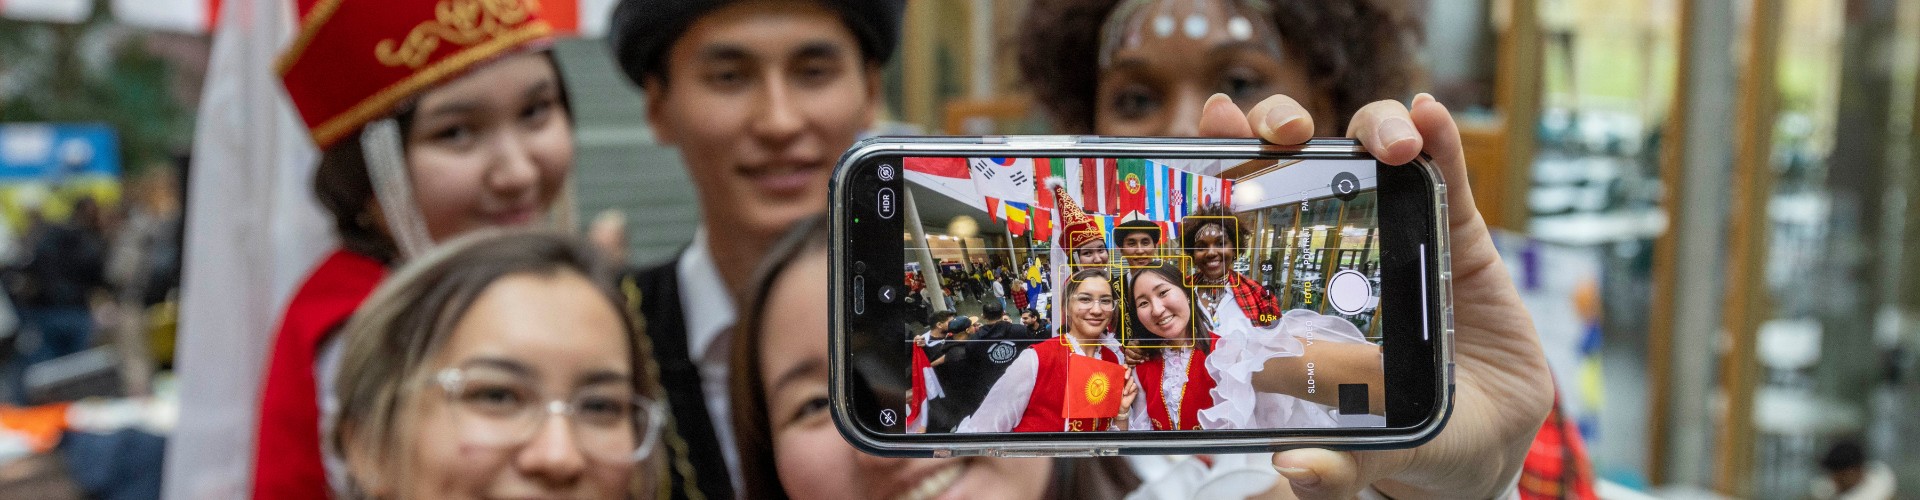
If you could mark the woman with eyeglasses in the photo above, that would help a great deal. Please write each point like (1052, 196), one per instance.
(1030, 395)
(498, 365)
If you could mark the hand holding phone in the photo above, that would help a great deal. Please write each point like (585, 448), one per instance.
(1502, 394)
(1290, 296)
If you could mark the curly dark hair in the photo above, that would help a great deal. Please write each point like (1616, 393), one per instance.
(1357, 51)
(1212, 215)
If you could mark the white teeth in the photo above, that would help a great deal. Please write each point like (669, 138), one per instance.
(935, 483)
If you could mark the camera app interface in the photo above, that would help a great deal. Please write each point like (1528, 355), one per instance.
(1140, 294)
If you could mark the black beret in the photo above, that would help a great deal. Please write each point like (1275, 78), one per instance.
(641, 31)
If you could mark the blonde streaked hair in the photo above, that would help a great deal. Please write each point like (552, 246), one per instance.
(388, 342)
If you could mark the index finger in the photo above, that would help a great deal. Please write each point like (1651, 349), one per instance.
(1386, 129)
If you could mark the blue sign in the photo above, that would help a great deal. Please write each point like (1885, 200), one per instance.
(57, 153)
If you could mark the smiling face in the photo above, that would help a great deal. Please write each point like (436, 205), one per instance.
(491, 148)
(1212, 251)
(557, 338)
(1090, 309)
(1170, 55)
(1138, 248)
(761, 98)
(1091, 254)
(813, 460)
(1162, 305)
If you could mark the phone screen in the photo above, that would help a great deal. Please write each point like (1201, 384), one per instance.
(1140, 294)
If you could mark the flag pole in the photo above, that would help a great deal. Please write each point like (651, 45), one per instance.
(929, 273)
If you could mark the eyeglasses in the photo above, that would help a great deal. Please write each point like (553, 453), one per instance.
(500, 409)
(1089, 301)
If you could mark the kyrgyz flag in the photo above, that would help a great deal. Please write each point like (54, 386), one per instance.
(1093, 387)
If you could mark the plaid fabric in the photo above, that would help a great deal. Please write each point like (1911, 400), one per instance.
(1557, 466)
(1254, 300)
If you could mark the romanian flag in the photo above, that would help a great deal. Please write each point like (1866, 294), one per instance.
(1016, 215)
(1093, 387)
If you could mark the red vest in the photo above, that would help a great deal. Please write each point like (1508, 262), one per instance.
(1198, 395)
(287, 454)
(1044, 408)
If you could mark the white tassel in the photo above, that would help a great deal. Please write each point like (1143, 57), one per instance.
(392, 187)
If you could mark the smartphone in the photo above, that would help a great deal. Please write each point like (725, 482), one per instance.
(1084, 296)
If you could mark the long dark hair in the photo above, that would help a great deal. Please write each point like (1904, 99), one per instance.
(1072, 478)
(1196, 330)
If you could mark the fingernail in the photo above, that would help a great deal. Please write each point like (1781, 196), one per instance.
(1298, 476)
(1278, 117)
(1393, 130)
(1423, 95)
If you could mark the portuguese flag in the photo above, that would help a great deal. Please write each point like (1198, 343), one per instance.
(1093, 387)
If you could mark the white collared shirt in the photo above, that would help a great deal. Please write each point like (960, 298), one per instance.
(708, 311)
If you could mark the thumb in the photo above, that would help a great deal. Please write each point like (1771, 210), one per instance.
(1320, 473)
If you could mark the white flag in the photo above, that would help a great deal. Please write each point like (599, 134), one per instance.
(254, 231)
(1009, 179)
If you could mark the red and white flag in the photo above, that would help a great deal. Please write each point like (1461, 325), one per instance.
(947, 176)
(255, 230)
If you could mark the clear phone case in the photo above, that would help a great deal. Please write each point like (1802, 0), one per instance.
(1117, 443)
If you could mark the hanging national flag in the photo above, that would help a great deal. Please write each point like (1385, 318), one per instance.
(1016, 216)
(1093, 387)
(1116, 189)
(1226, 194)
(1156, 191)
(1042, 170)
(993, 208)
(1042, 224)
(1209, 190)
(1133, 195)
(1093, 184)
(1176, 197)
(947, 176)
(1008, 179)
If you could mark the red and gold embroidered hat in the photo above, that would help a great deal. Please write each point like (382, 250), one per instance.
(354, 60)
(1077, 228)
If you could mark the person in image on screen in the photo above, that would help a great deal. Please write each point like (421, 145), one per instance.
(1030, 396)
(1173, 375)
(1243, 378)
(1213, 240)
(452, 383)
(1244, 68)
(788, 441)
(1139, 241)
